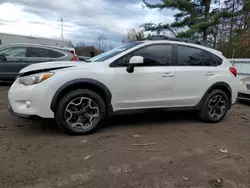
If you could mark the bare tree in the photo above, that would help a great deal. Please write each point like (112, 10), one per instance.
(132, 35)
(109, 47)
(99, 41)
(105, 47)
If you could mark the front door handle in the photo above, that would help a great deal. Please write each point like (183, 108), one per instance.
(167, 74)
(210, 73)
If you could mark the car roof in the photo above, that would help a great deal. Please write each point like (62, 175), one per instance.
(39, 45)
(184, 44)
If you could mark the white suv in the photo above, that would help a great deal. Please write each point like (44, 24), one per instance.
(150, 74)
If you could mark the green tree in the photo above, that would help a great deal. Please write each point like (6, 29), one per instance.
(234, 32)
(198, 18)
(158, 28)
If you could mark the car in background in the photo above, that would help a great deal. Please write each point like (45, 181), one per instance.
(244, 91)
(15, 57)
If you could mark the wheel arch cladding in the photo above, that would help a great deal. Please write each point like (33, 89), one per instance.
(90, 84)
(221, 86)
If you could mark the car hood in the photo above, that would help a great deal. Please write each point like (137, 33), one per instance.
(51, 66)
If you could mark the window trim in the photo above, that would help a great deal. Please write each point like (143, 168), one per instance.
(29, 47)
(204, 51)
(114, 65)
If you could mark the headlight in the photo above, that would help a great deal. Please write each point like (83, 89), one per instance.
(35, 78)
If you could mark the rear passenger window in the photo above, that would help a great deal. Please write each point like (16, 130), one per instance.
(44, 53)
(189, 56)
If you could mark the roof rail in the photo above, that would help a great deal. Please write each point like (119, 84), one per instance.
(163, 37)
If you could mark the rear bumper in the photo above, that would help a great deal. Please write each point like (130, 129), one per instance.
(243, 96)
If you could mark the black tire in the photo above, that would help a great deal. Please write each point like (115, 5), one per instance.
(74, 95)
(204, 112)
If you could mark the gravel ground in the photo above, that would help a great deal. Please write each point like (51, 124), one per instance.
(144, 150)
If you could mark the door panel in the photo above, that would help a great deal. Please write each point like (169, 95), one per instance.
(32, 60)
(15, 61)
(146, 87)
(151, 84)
(190, 84)
(10, 68)
(195, 72)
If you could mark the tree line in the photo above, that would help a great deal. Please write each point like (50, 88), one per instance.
(224, 24)
(98, 46)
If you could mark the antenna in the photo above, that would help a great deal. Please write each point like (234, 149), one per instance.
(62, 27)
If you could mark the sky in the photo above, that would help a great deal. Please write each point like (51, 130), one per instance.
(84, 20)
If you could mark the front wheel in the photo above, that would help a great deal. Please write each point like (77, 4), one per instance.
(215, 106)
(80, 112)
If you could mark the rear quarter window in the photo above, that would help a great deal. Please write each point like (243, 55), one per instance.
(56, 54)
(216, 60)
(191, 56)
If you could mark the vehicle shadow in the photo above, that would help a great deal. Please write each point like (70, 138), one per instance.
(5, 83)
(135, 119)
(244, 102)
(48, 126)
(151, 117)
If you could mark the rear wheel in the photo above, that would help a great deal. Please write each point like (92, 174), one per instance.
(81, 112)
(215, 106)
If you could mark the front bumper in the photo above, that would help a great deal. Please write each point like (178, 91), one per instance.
(25, 116)
(243, 96)
(30, 101)
(244, 92)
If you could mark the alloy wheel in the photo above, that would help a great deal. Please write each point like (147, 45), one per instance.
(217, 106)
(81, 112)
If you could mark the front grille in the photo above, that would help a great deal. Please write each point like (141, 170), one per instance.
(248, 86)
(243, 95)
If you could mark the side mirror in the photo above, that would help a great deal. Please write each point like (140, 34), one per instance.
(2, 57)
(136, 60)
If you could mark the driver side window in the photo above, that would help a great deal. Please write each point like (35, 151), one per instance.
(14, 52)
(154, 55)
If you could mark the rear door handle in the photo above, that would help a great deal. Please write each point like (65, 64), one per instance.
(210, 73)
(167, 74)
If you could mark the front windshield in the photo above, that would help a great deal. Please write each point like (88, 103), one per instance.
(115, 51)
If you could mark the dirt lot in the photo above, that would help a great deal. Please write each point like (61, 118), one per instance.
(179, 151)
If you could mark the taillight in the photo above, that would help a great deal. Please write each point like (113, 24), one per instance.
(74, 58)
(233, 71)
